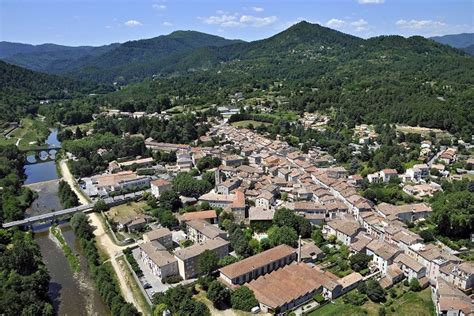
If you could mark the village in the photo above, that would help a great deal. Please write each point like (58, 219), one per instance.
(257, 178)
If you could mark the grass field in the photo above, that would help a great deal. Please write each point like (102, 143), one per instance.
(31, 130)
(411, 303)
(125, 211)
(245, 123)
(422, 130)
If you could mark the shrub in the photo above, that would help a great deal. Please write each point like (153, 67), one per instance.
(354, 298)
(172, 279)
(319, 298)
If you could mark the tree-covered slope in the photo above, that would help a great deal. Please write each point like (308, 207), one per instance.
(20, 90)
(455, 40)
(136, 60)
(412, 80)
(49, 58)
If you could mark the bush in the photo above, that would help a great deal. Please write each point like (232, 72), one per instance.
(172, 279)
(375, 292)
(319, 298)
(354, 298)
(415, 285)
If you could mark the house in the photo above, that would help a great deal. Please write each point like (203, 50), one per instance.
(232, 160)
(258, 214)
(405, 213)
(392, 276)
(448, 156)
(168, 147)
(184, 160)
(158, 259)
(238, 206)
(106, 183)
(286, 288)
(188, 258)
(410, 267)
(161, 235)
(388, 174)
(208, 216)
(135, 223)
(461, 275)
(451, 301)
(227, 186)
(424, 170)
(199, 231)
(217, 200)
(260, 264)
(374, 178)
(433, 258)
(265, 200)
(159, 186)
(345, 230)
(383, 254)
(311, 253)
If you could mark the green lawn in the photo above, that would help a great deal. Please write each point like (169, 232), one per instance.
(338, 308)
(32, 130)
(411, 303)
(415, 304)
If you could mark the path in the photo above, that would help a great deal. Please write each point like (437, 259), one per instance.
(105, 243)
(67, 176)
(18, 142)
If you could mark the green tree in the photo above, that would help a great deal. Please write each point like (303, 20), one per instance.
(100, 206)
(283, 235)
(159, 309)
(208, 262)
(375, 292)
(359, 261)
(218, 293)
(243, 299)
(415, 285)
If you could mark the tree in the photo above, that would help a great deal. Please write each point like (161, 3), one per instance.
(190, 307)
(208, 262)
(100, 206)
(283, 235)
(159, 309)
(170, 200)
(415, 285)
(359, 261)
(427, 235)
(218, 293)
(317, 236)
(375, 292)
(227, 260)
(243, 299)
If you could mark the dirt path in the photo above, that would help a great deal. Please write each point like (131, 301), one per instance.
(104, 241)
(112, 250)
(67, 176)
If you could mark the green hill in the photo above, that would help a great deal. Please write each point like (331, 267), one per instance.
(412, 80)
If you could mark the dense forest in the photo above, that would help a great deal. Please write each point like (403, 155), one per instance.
(24, 279)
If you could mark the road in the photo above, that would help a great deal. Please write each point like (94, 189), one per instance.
(103, 239)
(433, 159)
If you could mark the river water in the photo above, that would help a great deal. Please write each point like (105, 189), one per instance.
(71, 293)
(43, 171)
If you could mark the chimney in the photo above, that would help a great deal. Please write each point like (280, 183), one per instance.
(299, 249)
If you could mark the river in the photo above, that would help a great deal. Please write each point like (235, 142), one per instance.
(71, 294)
(43, 171)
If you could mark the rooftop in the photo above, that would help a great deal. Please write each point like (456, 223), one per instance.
(157, 234)
(197, 249)
(251, 263)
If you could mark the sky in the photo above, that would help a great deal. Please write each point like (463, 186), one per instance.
(99, 22)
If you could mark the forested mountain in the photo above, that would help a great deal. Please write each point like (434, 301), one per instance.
(20, 90)
(469, 50)
(455, 40)
(50, 58)
(391, 78)
(135, 60)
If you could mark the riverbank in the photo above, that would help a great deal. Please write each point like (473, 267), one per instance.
(57, 236)
(104, 242)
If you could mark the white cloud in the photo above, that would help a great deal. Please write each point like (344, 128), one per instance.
(257, 21)
(157, 6)
(371, 1)
(336, 23)
(236, 20)
(167, 23)
(419, 24)
(133, 23)
(360, 25)
(257, 9)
